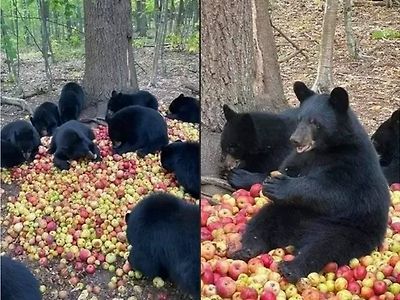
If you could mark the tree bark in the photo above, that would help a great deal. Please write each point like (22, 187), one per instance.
(352, 44)
(324, 80)
(141, 20)
(45, 41)
(179, 18)
(108, 51)
(160, 38)
(239, 60)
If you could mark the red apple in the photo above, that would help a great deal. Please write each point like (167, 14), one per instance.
(267, 260)
(204, 216)
(255, 190)
(205, 234)
(241, 192)
(254, 263)
(236, 268)
(84, 254)
(267, 296)
(249, 294)
(395, 187)
(331, 267)
(222, 267)
(354, 288)
(359, 272)
(208, 277)
(226, 286)
(366, 292)
(90, 269)
(379, 287)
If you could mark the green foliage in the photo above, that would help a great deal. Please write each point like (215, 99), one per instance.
(139, 42)
(175, 41)
(192, 45)
(386, 33)
(72, 48)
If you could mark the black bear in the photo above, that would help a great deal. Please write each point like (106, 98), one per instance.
(137, 128)
(24, 137)
(386, 140)
(164, 233)
(119, 101)
(335, 206)
(71, 141)
(46, 118)
(71, 102)
(186, 109)
(11, 156)
(183, 159)
(17, 282)
(254, 144)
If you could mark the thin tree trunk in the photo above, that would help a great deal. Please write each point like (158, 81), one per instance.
(141, 20)
(56, 28)
(45, 43)
(352, 44)
(179, 18)
(239, 60)
(27, 19)
(160, 39)
(6, 45)
(324, 80)
(109, 54)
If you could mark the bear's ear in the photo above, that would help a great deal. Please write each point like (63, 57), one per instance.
(113, 93)
(302, 91)
(395, 116)
(229, 113)
(181, 96)
(339, 99)
(31, 119)
(127, 218)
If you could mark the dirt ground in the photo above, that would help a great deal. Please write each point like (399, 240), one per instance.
(181, 69)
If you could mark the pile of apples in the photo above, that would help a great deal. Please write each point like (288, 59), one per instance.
(374, 276)
(78, 215)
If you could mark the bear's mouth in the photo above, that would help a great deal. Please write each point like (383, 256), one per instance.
(92, 155)
(117, 144)
(305, 148)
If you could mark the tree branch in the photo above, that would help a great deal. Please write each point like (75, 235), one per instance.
(290, 41)
(17, 102)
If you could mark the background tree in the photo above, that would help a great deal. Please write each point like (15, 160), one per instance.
(108, 51)
(239, 67)
(239, 60)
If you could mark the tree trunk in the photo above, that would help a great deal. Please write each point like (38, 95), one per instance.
(56, 28)
(239, 60)
(160, 38)
(324, 81)
(45, 41)
(352, 44)
(109, 54)
(27, 21)
(179, 18)
(141, 20)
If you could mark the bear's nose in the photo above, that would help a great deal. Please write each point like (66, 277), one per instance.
(295, 140)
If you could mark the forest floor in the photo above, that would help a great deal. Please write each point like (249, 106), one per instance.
(181, 69)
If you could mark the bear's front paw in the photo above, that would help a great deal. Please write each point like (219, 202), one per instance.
(62, 164)
(290, 271)
(276, 188)
(244, 254)
(239, 178)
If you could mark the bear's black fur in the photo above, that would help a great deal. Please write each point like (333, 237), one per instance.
(183, 159)
(119, 101)
(254, 144)
(137, 128)
(386, 140)
(71, 141)
(17, 282)
(164, 233)
(186, 109)
(11, 156)
(72, 101)
(46, 118)
(335, 205)
(23, 136)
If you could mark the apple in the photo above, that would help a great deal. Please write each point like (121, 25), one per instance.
(203, 217)
(272, 286)
(395, 187)
(267, 260)
(225, 286)
(240, 192)
(207, 250)
(255, 190)
(208, 276)
(249, 294)
(236, 268)
(379, 287)
(266, 295)
(222, 267)
(254, 263)
(354, 287)
(205, 234)
(90, 269)
(366, 292)
(310, 294)
(340, 283)
(330, 267)
(209, 290)
(359, 272)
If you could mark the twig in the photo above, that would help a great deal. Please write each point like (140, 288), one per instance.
(17, 102)
(289, 56)
(136, 63)
(289, 40)
(193, 88)
(37, 93)
(216, 182)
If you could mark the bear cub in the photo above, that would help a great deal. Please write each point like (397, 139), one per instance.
(72, 101)
(334, 204)
(255, 143)
(386, 140)
(119, 101)
(17, 282)
(11, 156)
(186, 109)
(137, 128)
(22, 138)
(183, 159)
(46, 118)
(71, 141)
(164, 233)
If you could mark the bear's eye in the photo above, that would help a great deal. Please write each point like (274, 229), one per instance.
(314, 122)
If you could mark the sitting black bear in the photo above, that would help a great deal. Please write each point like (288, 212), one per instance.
(46, 118)
(71, 141)
(183, 159)
(24, 137)
(72, 101)
(17, 282)
(186, 109)
(335, 207)
(165, 239)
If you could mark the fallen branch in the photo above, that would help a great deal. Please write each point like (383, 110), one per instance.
(290, 41)
(218, 182)
(98, 121)
(289, 56)
(17, 102)
(192, 87)
(36, 93)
